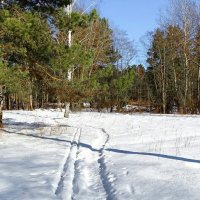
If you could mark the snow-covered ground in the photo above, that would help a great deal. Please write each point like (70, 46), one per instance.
(99, 156)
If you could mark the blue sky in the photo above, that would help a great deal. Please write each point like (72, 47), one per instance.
(136, 17)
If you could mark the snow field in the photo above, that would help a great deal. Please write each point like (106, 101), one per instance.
(98, 156)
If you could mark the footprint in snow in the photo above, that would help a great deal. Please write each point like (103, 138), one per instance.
(111, 178)
(125, 172)
(34, 174)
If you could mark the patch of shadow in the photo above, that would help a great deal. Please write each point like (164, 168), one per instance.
(153, 154)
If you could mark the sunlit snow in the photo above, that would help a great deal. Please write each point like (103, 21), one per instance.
(99, 156)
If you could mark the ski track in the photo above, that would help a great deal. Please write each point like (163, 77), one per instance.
(97, 181)
(72, 173)
(101, 186)
(98, 175)
(85, 170)
(107, 184)
(64, 188)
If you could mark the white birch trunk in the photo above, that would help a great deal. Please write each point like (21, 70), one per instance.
(1, 115)
(66, 114)
(1, 106)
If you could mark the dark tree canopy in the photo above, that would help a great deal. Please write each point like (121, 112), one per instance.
(40, 5)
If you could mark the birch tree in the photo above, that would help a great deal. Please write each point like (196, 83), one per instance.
(185, 15)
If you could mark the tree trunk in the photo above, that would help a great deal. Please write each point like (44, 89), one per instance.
(31, 101)
(185, 92)
(175, 80)
(47, 98)
(163, 80)
(163, 91)
(1, 116)
(198, 89)
(1, 106)
(66, 114)
(42, 99)
(59, 104)
(9, 102)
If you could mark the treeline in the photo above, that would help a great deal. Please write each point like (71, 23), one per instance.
(38, 66)
(171, 80)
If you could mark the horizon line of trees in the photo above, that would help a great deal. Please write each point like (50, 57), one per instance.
(35, 56)
(173, 72)
(35, 59)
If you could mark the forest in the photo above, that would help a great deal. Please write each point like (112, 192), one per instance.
(50, 56)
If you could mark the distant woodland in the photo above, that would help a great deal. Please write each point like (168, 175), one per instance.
(42, 66)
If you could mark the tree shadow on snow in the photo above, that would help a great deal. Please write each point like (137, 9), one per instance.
(106, 149)
(11, 123)
(153, 154)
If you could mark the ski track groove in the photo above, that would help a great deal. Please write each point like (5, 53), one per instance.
(74, 189)
(103, 173)
(103, 170)
(69, 163)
